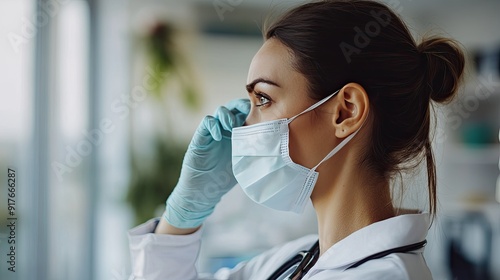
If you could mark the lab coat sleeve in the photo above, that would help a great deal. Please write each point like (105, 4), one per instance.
(173, 257)
(163, 256)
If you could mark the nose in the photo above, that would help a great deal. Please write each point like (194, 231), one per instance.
(251, 117)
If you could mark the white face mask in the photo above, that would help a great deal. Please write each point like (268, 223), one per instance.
(263, 167)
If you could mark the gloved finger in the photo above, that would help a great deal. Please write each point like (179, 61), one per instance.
(235, 115)
(208, 130)
(240, 109)
(226, 118)
(241, 105)
(240, 118)
(213, 126)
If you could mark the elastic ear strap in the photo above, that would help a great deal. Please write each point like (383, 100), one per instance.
(336, 149)
(314, 106)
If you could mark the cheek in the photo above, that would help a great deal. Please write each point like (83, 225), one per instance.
(253, 117)
(302, 144)
(310, 141)
(250, 119)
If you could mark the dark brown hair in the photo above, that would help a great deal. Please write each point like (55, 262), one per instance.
(336, 42)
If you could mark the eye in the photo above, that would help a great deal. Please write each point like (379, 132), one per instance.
(263, 99)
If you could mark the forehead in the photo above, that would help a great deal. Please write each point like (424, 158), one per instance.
(272, 61)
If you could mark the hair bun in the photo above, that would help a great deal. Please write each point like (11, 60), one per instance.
(445, 65)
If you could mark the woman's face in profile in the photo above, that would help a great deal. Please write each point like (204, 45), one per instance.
(276, 90)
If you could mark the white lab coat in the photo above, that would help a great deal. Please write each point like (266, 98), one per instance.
(173, 257)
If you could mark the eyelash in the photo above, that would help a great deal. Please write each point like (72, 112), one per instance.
(259, 96)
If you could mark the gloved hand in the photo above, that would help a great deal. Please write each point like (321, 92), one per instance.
(207, 172)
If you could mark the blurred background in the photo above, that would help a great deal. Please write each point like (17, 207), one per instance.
(100, 99)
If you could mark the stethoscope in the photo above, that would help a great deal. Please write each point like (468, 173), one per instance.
(301, 263)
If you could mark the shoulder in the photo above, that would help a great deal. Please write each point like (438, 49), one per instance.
(392, 267)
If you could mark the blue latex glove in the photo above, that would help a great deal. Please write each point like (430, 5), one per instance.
(207, 172)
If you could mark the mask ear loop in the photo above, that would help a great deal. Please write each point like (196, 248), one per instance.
(314, 106)
(337, 148)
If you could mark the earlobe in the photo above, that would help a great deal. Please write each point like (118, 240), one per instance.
(351, 110)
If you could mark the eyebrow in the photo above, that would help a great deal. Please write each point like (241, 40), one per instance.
(251, 85)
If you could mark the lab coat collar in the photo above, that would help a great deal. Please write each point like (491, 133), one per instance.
(384, 235)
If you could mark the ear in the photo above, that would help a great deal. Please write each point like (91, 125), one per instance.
(351, 109)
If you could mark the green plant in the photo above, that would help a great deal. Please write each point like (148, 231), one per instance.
(164, 54)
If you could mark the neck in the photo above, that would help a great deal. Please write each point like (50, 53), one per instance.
(346, 202)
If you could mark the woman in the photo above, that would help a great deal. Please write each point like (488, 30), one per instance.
(340, 103)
